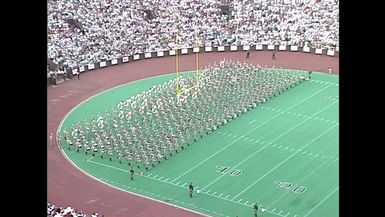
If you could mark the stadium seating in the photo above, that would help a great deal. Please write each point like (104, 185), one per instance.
(82, 32)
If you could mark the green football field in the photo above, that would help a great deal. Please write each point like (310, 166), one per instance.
(283, 155)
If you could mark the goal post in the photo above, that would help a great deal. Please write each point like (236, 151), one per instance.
(183, 90)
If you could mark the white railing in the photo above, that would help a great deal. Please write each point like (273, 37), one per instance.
(232, 48)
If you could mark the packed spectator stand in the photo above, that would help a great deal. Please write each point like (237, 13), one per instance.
(59, 211)
(90, 31)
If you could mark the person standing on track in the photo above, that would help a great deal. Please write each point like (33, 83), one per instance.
(191, 189)
(273, 55)
(51, 140)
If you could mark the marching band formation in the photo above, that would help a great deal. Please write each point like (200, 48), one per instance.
(150, 127)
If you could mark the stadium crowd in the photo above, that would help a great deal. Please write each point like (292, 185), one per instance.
(58, 211)
(90, 31)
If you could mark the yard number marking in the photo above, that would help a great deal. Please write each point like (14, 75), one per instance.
(226, 169)
(286, 186)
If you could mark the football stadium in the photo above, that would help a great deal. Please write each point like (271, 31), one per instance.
(193, 108)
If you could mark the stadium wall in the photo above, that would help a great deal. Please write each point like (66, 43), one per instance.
(188, 51)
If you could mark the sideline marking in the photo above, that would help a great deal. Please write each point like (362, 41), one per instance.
(232, 201)
(124, 190)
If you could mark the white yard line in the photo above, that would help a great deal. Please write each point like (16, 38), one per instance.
(252, 121)
(323, 200)
(324, 82)
(302, 115)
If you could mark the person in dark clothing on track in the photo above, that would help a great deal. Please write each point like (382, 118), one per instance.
(132, 174)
